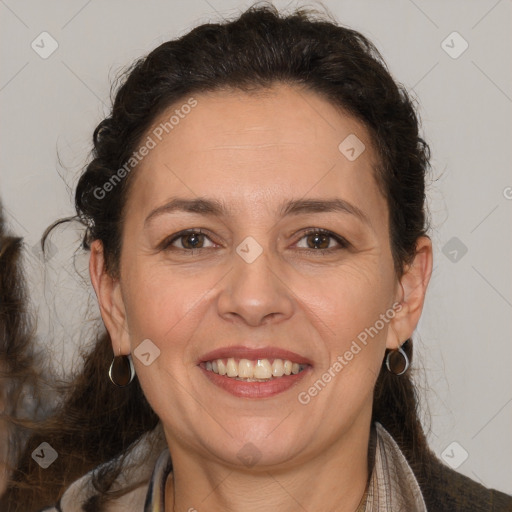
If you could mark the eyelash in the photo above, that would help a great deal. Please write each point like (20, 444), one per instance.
(166, 245)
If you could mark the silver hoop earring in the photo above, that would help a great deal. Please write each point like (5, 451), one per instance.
(121, 371)
(397, 361)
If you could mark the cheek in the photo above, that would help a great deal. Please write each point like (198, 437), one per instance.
(167, 309)
(347, 299)
(166, 306)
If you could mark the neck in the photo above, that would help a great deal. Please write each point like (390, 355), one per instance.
(334, 479)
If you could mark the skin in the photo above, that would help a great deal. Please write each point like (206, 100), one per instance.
(255, 153)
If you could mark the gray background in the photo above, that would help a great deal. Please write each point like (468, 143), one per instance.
(49, 108)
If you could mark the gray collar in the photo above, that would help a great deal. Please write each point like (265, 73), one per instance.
(392, 484)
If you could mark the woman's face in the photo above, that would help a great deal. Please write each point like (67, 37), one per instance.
(286, 257)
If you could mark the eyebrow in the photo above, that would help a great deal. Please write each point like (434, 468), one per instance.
(323, 205)
(217, 208)
(200, 206)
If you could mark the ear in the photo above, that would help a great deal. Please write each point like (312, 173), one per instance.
(110, 299)
(412, 288)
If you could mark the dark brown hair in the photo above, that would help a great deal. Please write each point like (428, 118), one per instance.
(253, 52)
(19, 370)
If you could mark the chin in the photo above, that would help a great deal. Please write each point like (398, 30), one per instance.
(259, 446)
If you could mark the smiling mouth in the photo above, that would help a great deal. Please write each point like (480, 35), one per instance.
(258, 370)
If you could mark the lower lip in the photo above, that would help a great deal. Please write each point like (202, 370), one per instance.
(242, 389)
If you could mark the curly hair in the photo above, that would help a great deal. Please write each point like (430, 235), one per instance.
(256, 50)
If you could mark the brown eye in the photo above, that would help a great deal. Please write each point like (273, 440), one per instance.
(318, 241)
(192, 240)
(187, 241)
(315, 239)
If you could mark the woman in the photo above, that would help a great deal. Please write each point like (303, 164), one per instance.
(255, 215)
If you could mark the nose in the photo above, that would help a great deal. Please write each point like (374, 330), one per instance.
(255, 293)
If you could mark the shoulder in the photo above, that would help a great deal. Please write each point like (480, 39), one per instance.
(81, 495)
(447, 490)
(133, 482)
(443, 489)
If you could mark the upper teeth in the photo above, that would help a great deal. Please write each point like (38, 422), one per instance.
(259, 369)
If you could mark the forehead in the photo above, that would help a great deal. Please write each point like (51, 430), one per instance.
(254, 147)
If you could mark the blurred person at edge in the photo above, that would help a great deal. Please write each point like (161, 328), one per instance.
(19, 378)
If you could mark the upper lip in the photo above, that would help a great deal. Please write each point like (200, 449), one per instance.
(241, 352)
